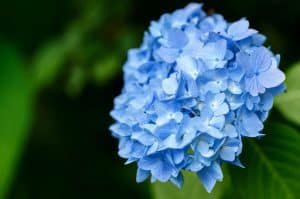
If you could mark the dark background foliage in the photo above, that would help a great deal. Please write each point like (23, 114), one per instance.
(71, 53)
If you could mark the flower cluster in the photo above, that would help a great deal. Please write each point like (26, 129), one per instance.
(193, 90)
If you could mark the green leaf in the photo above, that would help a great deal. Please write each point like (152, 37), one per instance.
(15, 115)
(76, 81)
(192, 188)
(272, 166)
(288, 103)
(50, 59)
(292, 80)
(48, 62)
(105, 69)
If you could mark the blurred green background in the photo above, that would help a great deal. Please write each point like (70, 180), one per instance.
(60, 68)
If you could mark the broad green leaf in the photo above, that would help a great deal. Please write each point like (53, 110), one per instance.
(272, 166)
(288, 103)
(192, 189)
(15, 115)
(292, 80)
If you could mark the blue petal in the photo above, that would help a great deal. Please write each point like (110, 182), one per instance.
(261, 59)
(187, 88)
(125, 148)
(186, 137)
(178, 181)
(143, 137)
(195, 9)
(258, 39)
(120, 130)
(209, 176)
(189, 66)
(195, 166)
(178, 156)
(236, 72)
(234, 88)
(204, 148)
(266, 101)
(170, 85)
(155, 29)
(243, 60)
(142, 175)
(163, 171)
(277, 90)
(253, 86)
(217, 121)
(169, 55)
(177, 38)
(228, 153)
(149, 162)
(252, 124)
(214, 132)
(230, 130)
(165, 130)
(138, 150)
(239, 30)
(271, 78)
(137, 57)
(238, 163)
(214, 50)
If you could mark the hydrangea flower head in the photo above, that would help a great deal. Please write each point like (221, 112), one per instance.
(196, 86)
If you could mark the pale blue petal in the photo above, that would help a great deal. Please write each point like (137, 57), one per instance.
(214, 132)
(142, 175)
(207, 180)
(251, 123)
(271, 78)
(195, 166)
(243, 61)
(239, 30)
(228, 153)
(238, 27)
(230, 130)
(170, 85)
(214, 50)
(189, 66)
(253, 86)
(125, 148)
(143, 137)
(209, 176)
(204, 148)
(138, 150)
(178, 181)
(163, 171)
(236, 72)
(155, 29)
(177, 38)
(261, 59)
(258, 39)
(178, 156)
(266, 101)
(169, 55)
(221, 109)
(120, 130)
(217, 121)
(234, 88)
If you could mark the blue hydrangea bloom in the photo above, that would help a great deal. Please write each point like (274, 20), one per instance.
(196, 86)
